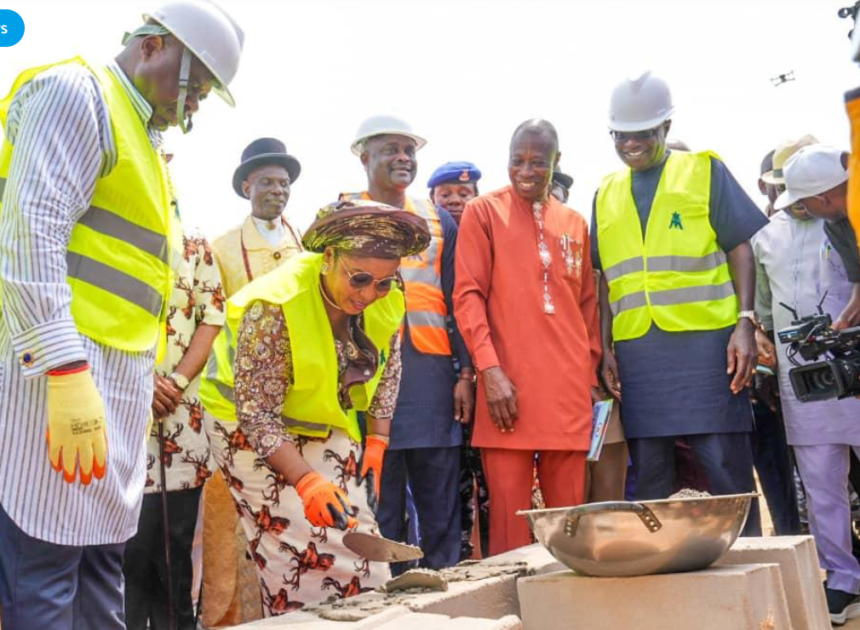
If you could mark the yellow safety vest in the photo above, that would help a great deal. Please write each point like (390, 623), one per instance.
(677, 277)
(312, 405)
(120, 252)
(426, 310)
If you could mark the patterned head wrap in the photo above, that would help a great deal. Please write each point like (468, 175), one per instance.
(367, 228)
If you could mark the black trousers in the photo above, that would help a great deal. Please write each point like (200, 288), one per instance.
(48, 586)
(727, 459)
(145, 567)
(774, 465)
(433, 475)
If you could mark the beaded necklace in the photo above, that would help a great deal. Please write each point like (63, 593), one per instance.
(545, 257)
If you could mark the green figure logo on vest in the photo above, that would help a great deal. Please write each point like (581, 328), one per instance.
(676, 221)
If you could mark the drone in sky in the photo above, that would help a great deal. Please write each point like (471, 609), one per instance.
(781, 79)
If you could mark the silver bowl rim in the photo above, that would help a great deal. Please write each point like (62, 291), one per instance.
(750, 495)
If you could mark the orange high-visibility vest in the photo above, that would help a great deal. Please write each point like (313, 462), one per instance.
(426, 311)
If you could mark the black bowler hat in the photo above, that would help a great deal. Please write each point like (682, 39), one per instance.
(264, 151)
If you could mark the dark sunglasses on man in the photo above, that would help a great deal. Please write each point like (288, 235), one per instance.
(624, 136)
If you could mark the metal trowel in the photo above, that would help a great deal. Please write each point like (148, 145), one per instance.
(378, 549)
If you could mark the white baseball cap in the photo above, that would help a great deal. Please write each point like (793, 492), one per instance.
(813, 170)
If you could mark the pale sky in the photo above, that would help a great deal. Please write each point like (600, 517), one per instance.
(466, 73)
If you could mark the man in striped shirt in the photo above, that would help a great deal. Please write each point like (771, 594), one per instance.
(84, 191)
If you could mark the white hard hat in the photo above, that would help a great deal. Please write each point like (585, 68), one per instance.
(382, 125)
(209, 33)
(640, 103)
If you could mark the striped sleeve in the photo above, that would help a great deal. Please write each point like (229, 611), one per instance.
(59, 126)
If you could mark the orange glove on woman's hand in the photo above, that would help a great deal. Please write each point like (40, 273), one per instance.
(371, 466)
(325, 503)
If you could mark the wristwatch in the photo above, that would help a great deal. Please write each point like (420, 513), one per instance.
(750, 315)
(181, 381)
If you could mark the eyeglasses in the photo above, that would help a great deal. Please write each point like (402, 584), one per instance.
(361, 279)
(624, 136)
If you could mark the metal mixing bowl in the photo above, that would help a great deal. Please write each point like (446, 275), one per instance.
(624, 539)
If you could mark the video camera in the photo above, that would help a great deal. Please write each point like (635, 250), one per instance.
(811, 337)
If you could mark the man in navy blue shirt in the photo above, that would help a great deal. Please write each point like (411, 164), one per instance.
(426, 433)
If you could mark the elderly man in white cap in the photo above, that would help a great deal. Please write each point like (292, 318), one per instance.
(88, 236)
(426, 435)
(821, 432)
(818, 183)
(671, 235)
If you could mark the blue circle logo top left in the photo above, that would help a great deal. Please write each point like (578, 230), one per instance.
(11, 28)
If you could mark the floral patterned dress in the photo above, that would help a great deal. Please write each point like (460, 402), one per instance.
(197, 299)
(297, 564)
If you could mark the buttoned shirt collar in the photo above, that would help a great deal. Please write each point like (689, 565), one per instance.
(140, 104)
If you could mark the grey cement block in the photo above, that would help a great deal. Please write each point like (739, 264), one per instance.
(734, 597)
(798, 562)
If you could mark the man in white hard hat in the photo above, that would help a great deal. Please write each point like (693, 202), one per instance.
(821, 432)
(88, 236)
(426, 435)
(671, 237)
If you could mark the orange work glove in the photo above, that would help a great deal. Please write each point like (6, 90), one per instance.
(371, 466)
(325, 504)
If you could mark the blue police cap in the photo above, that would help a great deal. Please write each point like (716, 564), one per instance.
(453, 172)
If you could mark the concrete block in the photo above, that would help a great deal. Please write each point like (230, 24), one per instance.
(801, 576)
(422, 621)
(485, 589)
(300, 620)
(395, 618)
(536, 557)
(733, 597)
(491, 597)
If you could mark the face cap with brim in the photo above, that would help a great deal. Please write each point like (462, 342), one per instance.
(813, 170)
(262, 152)
(780, 157)
(367, 228)
(454, 173)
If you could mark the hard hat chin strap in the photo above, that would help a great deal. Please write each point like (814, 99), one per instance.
(184, 73)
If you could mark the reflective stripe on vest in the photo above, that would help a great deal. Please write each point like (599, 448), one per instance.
(680, 279)
(686, 264)
(106, 277)
(426, 310)
(114, 282)
(119, 253)
(312, 406)
(673, 296)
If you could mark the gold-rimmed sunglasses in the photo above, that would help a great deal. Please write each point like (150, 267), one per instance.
(362, 279)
